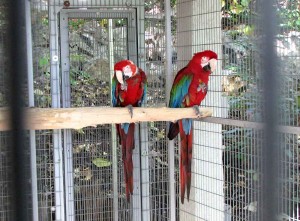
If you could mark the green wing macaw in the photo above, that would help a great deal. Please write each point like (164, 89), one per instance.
(129, 86)
(189, 89)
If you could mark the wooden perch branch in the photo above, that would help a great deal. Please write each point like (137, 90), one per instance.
(75, 118)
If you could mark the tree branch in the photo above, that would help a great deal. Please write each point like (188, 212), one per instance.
(75, 118)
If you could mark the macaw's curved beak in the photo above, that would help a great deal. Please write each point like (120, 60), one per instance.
(212, 64)
(119, 76)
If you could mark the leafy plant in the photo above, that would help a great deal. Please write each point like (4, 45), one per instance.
(235, 6)
(101, 162)
(76, 24)
(290, 19)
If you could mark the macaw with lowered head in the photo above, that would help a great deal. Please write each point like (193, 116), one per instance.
(129, 86)
(189, 89)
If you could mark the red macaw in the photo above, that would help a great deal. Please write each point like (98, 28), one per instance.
(188, 90)
(129, 86)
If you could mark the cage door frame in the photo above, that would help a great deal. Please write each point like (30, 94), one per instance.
(132, 52)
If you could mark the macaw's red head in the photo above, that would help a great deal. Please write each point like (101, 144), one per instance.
(125, 69)
(206, 60)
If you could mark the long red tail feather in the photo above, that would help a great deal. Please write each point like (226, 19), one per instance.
(182, 178)
(186, 151)
(127, 147)
(189, 163)
(183, 161)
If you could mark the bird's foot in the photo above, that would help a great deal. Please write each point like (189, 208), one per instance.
(197, 111)
(124, 86)
(130, 110)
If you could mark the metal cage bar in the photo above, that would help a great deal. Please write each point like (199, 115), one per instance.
(33, 153)
(113, 132)
(55, 94)
(169, 76)
(16, 75)
(66, 102)
(270, 151)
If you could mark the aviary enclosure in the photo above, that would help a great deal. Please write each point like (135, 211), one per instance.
(77, 174)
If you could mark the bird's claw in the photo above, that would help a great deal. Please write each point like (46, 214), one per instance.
(130, 110)
(197, 111)
(124, 86)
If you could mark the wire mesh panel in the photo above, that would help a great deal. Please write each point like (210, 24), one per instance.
(90, 76)
(42, 98)
(95, 44)
(244, 92)
(287, 50)
(198, 29)
(242, 87)
(155, 43)
(242, 171)
(6, 169)
(6, 209)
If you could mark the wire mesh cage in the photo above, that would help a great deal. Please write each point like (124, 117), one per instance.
(78, 174)
(6, 208)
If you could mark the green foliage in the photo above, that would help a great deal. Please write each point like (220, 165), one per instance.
(45, 21)
(120, 22)
(76, 24)
(101, 162)
(173, 3)
(290, 19)
(76, 74)
(44, 61)
(235, 6)
(42, 83)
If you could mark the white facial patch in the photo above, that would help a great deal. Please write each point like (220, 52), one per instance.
(213, 64)
(127, 71)
(204, 61)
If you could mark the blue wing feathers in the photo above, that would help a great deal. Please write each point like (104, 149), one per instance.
(113, 91)
(144, 85)
(180, 90)
(187, 125)
(125, 127)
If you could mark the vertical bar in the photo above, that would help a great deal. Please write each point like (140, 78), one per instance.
(113, 128)
(33, 168)
(270, 155)
(55, 95)
(66, 102)
(29, 54)
(17, 68)
(145, 177)
(139, 41)
(136, 197)
(136, 153)
(132, 40)
(169, 80)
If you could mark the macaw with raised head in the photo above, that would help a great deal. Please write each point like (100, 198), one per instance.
(129, 86)
(189, 89)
